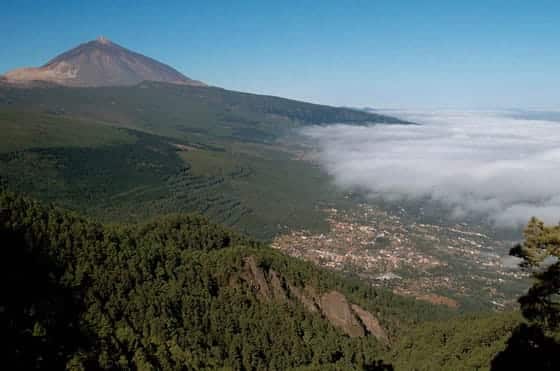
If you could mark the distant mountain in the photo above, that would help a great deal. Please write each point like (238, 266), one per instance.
(100, 63)
(243, 148)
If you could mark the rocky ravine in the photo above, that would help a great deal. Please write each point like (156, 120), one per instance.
(333, 306)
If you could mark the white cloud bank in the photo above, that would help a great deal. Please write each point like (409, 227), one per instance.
(483, 164)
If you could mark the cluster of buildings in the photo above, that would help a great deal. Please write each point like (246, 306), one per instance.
(431, 262)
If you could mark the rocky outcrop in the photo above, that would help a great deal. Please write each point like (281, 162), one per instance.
(350, 318)
(370, 322)
(337, 310)
(305, 298)
(253, 275)
(277, 286)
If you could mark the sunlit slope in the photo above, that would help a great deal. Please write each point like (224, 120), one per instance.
(127, 153)
(178, 292)
(178, 111)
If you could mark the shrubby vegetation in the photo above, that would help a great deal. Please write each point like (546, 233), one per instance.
(125, 148)
(125, 175)
(463, 343)
(506, 341)
(535, 344)
(166, 294)
(173, 110)
(160, 296)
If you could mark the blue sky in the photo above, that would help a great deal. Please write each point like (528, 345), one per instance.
(396, 54)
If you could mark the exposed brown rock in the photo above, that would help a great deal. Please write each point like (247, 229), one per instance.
(312, 294)
(255, 276)
(370, 322)
(276, 286)
(336, 309)
(333, 305)
(307, 301)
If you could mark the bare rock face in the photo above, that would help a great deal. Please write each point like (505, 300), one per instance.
(100, 63)
(305, 298)
(371, 323)
(277, 286)
(256, 278)
(350, 318)
(337, 310)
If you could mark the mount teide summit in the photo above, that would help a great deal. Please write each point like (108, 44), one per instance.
(100, 63)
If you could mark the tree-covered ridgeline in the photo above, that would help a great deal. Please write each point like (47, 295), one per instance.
(166, 295)
(169, 294)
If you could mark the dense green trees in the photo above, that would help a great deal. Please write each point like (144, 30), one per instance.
(169, 294)
(462, 343)
(162, 295)
(536, 343)
(116, 174)
(38, 316)
(113, 153)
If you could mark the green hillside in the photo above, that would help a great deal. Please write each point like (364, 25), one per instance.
(183, 111)
(463, 343)
(182, 293)
(135, 283)
(125, 153)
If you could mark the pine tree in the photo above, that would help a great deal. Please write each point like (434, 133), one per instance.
(535, 344)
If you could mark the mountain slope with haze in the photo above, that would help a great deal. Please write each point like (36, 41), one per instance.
(133, 144)
(184, 146)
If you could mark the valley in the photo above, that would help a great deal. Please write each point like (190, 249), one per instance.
(106, 161)
(450, 265)
(150, 221)
(182, 148)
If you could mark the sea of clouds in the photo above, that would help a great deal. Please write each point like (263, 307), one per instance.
(479, 164)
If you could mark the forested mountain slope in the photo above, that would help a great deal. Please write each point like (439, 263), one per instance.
(178, 110)
(176, 293)
(182, 293)
(127, 153)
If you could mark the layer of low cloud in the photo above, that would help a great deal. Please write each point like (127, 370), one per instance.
(483, 164)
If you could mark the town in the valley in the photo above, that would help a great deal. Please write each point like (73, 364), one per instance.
(453, 265)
